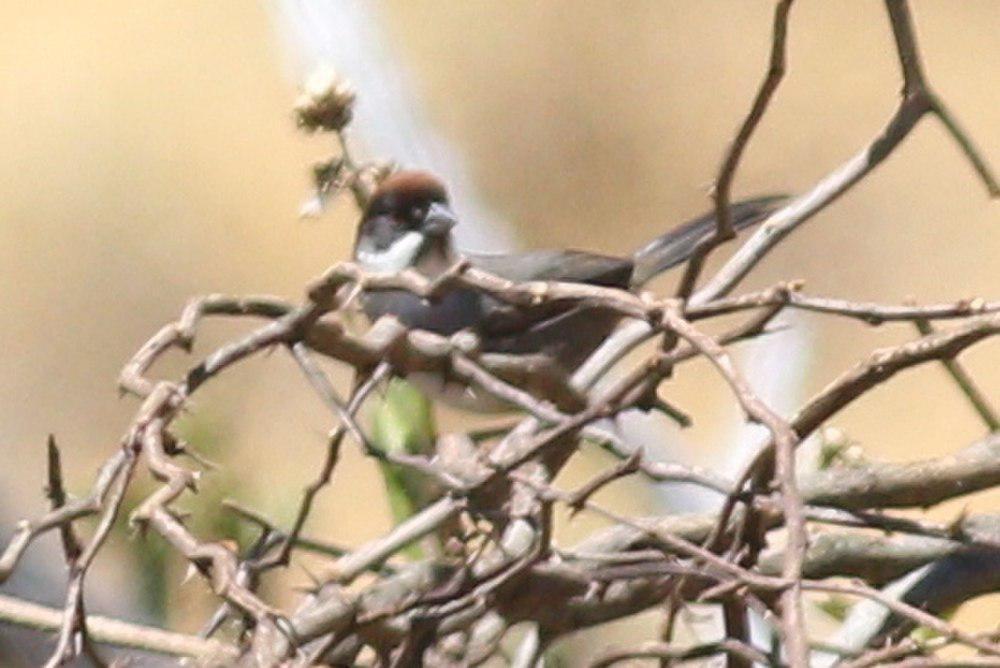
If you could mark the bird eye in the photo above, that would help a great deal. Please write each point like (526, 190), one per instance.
(417, 213)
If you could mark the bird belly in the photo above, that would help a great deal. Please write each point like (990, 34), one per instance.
(453, 312)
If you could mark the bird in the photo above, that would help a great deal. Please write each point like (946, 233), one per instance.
(408, 223)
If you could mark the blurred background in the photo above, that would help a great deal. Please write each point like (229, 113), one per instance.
(149, 155)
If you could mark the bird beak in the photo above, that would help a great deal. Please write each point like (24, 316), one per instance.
(439, 220)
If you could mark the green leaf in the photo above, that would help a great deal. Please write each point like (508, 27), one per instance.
(404, 421)
(404, 424)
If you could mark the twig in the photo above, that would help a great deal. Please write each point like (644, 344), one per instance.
(787, 294)
(361, 393)
(413, 528)
(917, 100)
(27, 531)
(965, 383)
(878, 368)
(857, 588)
(920, 483)
(115, 632)
(325, 389)
(73, 638)
(667, 652)
(915, 84)
(785, 440)
(624, 468)
(723, 182)
(304, 542)
(57, 497)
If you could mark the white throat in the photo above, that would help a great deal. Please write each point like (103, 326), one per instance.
(397, 257)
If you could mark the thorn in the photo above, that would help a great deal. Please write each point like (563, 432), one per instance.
(53, 488)
(189, 574)
(139, 524)
(682, 419)
(956, 528)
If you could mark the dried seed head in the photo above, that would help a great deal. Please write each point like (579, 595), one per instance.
(367, 178)
(329, 174)
(326, 103)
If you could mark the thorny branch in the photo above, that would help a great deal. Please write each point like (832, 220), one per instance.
(767, 547)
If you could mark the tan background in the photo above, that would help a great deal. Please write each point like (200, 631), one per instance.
(148, 155)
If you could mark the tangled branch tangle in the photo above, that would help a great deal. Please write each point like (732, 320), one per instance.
(497, 564)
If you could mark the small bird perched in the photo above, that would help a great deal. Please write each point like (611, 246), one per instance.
(407, 225)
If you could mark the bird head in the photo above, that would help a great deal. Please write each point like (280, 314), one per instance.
(407, 220)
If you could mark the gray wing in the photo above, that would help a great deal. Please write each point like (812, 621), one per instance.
(536, 329)
(556, 265)
(677, 245)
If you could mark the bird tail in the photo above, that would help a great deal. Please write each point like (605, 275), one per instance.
(679, 244)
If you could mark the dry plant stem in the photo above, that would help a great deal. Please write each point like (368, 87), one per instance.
(280, 557)
(914, 484)
(361, 189)
(361, 393)
(723, 182)
(883, 364)
(73, 636)
(527, 294)
(435, 515)
(869, 486)
(114, 632)
(670, 653)
(915, 84)
(412, 529)
(255, 341)
(321, 383)
(217, 563)
(785, 441)
(173, 335)
(878, 368)
(307, 543)
(917, 100)
(882, 655)
(935, 662)
(387, 335)
(875, 559)
(908, 647)
(57, 497)
(731, 572)
(181, 333)
(788, 295)
(74, 627)
(920, 617)
(668, 542)
(328, 394)
(626, 467)
(27, 531)
(515, 573)
(163, 400)
(765, 583)
(965, 530)
(965, 383)
(636, 332)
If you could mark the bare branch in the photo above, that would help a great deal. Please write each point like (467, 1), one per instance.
(115, 632)
(502, 565)
(916, 101)
(667, 652)
(723, 182)
(965, 383)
